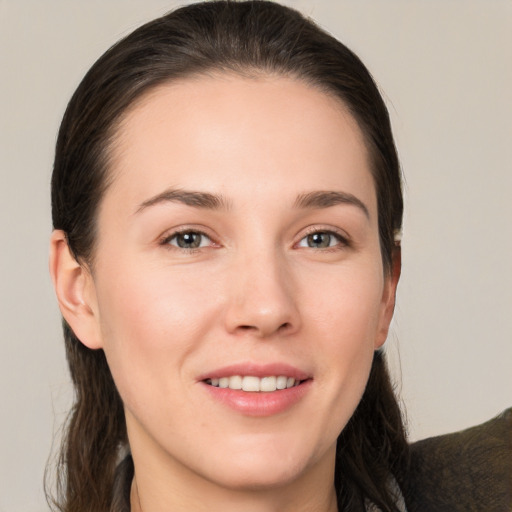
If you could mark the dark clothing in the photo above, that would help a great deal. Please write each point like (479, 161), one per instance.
(468, 471)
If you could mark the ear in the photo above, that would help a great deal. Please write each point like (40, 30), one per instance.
(75, 291)
(389, 297)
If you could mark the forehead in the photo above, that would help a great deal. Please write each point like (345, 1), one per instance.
(226, 132)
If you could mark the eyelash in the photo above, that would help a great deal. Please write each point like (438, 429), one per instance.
(341, 241)
(166, 240)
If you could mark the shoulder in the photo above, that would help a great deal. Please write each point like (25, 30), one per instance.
(465, 471)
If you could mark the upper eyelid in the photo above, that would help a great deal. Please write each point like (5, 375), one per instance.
(171, 233)
(324, 229)
(177, 233)
(164, 241)
(343, 241)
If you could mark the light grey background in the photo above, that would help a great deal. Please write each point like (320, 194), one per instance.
(445, 69)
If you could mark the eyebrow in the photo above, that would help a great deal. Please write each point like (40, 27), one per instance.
(326, 199)
(188, 197)
(205, 200)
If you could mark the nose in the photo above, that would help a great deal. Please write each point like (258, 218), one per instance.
(262, 301)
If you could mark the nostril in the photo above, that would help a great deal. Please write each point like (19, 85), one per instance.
(247, 328)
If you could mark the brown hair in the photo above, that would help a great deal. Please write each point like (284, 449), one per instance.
(240, 37)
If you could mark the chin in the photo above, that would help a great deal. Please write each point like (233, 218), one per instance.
(258, 477)
(259, 468)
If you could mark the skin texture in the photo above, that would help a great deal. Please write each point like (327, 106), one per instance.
(255, 291)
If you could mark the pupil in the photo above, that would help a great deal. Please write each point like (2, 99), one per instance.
(189, 240)
(319, 240)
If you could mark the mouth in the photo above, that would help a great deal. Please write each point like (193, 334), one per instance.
(258, 390)
(253, 384)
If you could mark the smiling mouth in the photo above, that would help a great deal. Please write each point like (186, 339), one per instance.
(253, 384)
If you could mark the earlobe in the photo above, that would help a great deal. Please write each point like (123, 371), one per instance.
(75, 292)
(389, 297)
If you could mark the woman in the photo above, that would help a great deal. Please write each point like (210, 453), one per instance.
(227, 204)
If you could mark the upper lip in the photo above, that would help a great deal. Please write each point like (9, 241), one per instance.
(256, 370)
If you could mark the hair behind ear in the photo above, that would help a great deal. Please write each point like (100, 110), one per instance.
(96, 432)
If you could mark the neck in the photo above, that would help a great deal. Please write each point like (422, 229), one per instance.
(163, 482)
(163, 487)
(233, 502)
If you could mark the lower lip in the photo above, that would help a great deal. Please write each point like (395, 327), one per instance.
(259, 403)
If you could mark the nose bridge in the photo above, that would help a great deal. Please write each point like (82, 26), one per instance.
(261, 295)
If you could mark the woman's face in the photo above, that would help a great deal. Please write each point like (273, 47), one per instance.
(238, 246)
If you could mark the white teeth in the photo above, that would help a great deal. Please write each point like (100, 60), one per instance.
(268, 384)
(251, 384)
(235, 382)
(255, 384)
(281, 382)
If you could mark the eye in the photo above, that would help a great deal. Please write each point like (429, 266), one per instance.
(322, 240)
(188, 240)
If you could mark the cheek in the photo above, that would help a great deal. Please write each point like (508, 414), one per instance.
(348, 306)
(345, 326)
(150, 322)
(151, 305)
